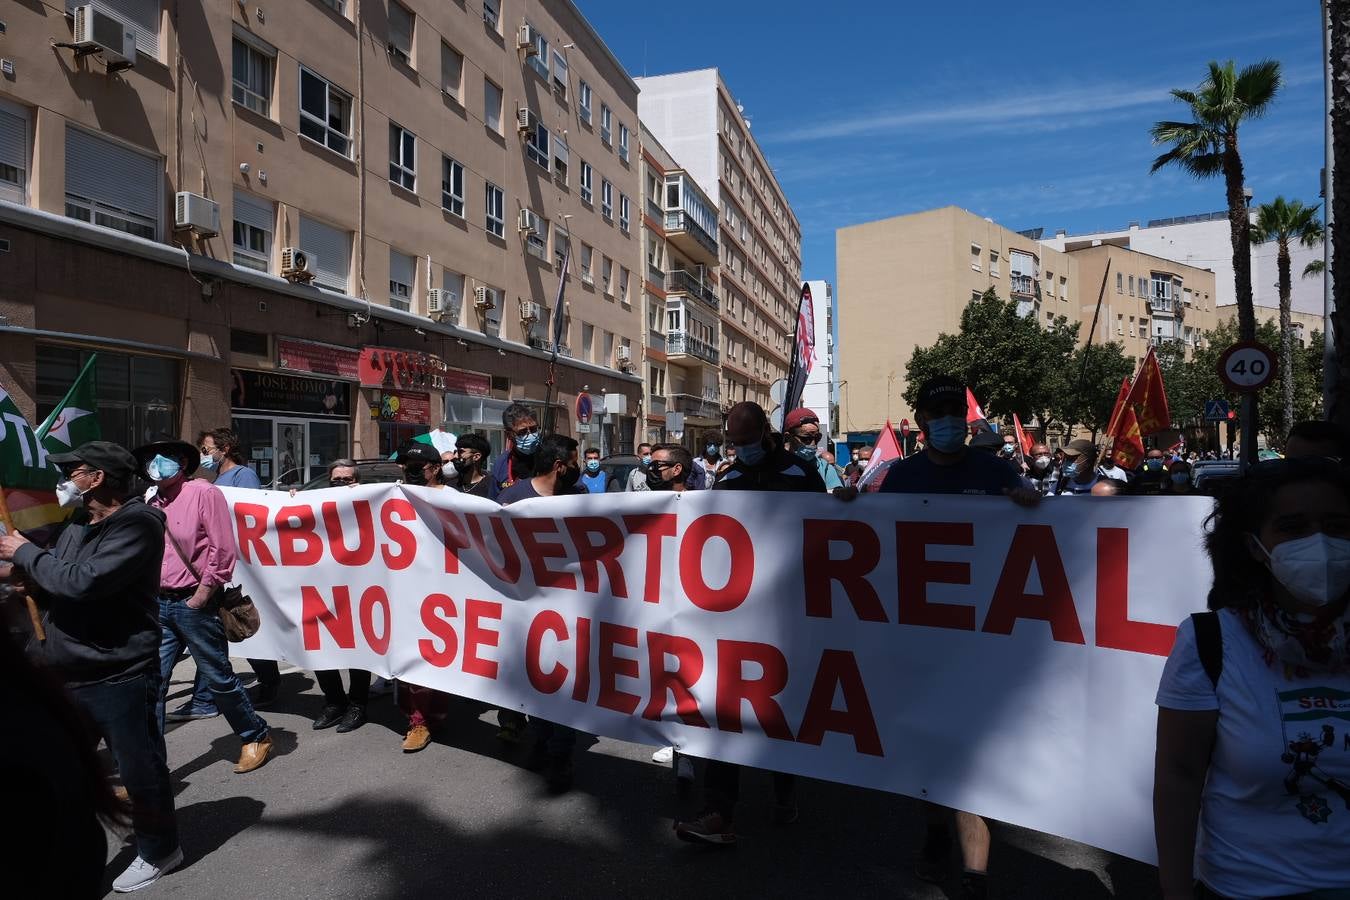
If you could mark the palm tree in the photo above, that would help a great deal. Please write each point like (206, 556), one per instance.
(1207, 147)
(1285, 221)
(1314, 268)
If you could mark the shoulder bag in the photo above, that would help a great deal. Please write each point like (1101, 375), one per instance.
(237, 613)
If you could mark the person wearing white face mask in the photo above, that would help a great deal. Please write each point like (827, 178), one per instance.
(1042, 471)
(1253, 701)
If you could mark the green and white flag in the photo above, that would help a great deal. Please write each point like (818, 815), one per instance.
(23, 459)
(75, 419)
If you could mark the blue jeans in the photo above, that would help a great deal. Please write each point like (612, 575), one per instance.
(124, 712)
(201, 631)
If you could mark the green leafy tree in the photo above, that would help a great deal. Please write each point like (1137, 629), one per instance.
(1207, 147)
(1010, 362)
(1285, 221)
(1086, 394)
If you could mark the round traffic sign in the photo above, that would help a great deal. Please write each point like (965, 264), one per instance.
(1247, 367)
(584, 408)
(904, 427)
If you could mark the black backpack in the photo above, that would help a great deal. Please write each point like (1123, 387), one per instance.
(1209, 644)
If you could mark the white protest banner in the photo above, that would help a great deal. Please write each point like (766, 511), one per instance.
(961, 649)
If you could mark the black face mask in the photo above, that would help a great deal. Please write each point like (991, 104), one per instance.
(415, 475)
(569, 477)
(656, 483)
(465, 465)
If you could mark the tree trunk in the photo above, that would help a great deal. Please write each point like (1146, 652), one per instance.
(1339, 233)
(1240, 232)
(1286, 339)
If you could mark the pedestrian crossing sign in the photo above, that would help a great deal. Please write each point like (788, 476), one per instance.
(1216, 410)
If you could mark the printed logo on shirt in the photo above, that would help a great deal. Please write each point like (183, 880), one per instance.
(1312, 744)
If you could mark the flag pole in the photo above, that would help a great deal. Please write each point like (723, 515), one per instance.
(33, 616)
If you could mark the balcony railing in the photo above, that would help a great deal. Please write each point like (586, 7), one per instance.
(655, 211)
(678, 342)
(656, 340)
(656, 405)
(680, 281)
(679, 220)
(655, 275)
(706, 407)
(1163, 304)
(1026, 285)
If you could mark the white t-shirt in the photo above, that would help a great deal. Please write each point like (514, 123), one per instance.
(1256, 838)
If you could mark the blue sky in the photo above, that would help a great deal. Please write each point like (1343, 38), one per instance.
(1033, 115)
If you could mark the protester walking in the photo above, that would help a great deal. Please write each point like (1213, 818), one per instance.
(470, 461)
(801, 430)
(761, 465)
(1081, 470)
(1041, 470)
(594, 479)
(522, 439)
(345, 709)
(854, 470)
(222, 454)
(1251, 705)
(637, 479)
(198, 561)
(711, 458)
(100, 582)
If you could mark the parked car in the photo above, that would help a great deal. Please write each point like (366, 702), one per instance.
(1208, 475)
(372, 471)
(618, 468)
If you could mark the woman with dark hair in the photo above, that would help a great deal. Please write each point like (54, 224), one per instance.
(1254, 704)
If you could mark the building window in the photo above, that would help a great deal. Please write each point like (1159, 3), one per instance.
(976, 258)
(623, 285)
(496, 206)
(584, 102)
(1064, 287)
(561, 244)
(585, 267)
(1130, 282)
(325, 113)
(402, 276)
(536, 237)
(492, 13)
(623, 213)
(607, 275)
(587, 341)
(606, 120)
(329, 250)
(400, 32)
(492, 106)
(136, 396)
(253, 223)
(560, 77)
(13, 153)
(402, 157)
(623, 142)
(561, 157)
(452, 187)
(338, 6)
(253, 70)
(1120, 283)
(492, 315)
(606, 199)
(536, 146)
(993, 264)
(112, 186)
(538, 60)
(452, 71)
(587, 196)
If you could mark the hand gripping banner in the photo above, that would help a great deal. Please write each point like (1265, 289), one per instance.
(990, 658)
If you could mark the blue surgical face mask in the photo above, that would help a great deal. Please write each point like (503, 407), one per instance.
(805, 452)
(528, 444)
(208, 462)
(710, 450)
(647, 459)
(751, 454)
(1070, 469)
(161, 467)
(946, 434)
(592, 465)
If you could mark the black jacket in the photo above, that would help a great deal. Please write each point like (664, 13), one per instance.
(101, 583)
(778, 471)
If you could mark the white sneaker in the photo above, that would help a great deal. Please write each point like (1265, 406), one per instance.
(143, 874)
(684, 769)
(664, 755)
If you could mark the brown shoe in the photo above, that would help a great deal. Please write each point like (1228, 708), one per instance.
(254, 755)
(416, 739)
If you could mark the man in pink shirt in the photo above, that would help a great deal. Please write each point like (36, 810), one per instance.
(199, 559)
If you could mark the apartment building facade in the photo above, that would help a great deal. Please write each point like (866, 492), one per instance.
(696, 117)
(906, 280)
(334, 223)
(680, 300)
(1304, 324)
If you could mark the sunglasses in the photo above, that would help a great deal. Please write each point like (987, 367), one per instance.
(657, 465)
(339, 482)
(813, 438)
(526, 432)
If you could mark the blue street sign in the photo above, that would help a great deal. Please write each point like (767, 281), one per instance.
(1216, 410)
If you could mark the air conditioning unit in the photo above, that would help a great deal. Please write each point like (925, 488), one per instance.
(525, 39)
(197, 213)
(481, 298)
(623, 355)
(528, 220)
(98, 32)
(526, 121)
(443, 302)
(530, 311)
(297, 264)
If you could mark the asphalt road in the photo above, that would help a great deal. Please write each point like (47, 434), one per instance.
(339, 816)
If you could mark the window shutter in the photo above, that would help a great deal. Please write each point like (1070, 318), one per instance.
(141, 17)
(332, 249)
(99, 169)
(255, 213)
(402, 268)
(13, 140)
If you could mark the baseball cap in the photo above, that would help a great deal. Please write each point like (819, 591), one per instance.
(418, 453)
(1080, 447)
(114, 459)
(940, 389)
(799, 417)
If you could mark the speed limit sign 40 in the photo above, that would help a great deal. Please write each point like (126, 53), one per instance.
(1247, 367)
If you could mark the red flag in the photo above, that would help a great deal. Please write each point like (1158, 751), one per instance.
(1127, 448)
(1023, 439)
(1148, 398)
(975, 417)
(1119, 408)
(885, 453)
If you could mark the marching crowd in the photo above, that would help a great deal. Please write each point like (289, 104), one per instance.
(1251, 799)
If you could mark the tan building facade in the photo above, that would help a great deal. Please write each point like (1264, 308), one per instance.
(680, 299)
(1304, 323)
(904, 281)
(416, 170)
(696, 117)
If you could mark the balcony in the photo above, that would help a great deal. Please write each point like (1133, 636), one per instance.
(655, 211)
(656, 405)
(656, 340)
(655, 275)
(706, 407)
(681, 281)
(679, 343)
(1025, 285)
(1163, 304)
(689, 237)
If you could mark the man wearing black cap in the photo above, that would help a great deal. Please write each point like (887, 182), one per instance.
(1081, 472)
(103, 635)
(198, 561)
